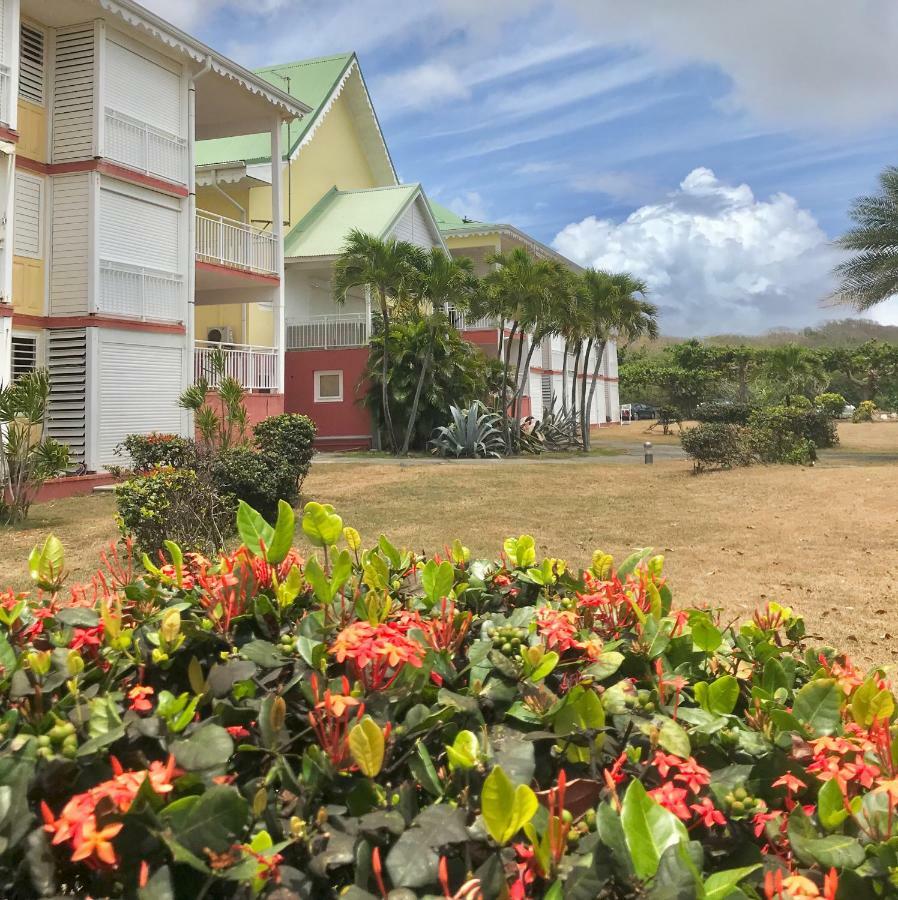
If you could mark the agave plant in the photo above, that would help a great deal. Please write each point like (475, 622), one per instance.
(474, 433)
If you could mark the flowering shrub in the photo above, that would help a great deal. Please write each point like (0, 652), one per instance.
(149, 451)
(864, 411)
(367, 723)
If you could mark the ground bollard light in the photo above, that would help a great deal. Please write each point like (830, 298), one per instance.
(649, 455)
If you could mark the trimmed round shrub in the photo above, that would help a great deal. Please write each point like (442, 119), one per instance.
(373, 723)
(864, 411)
(257, 478)
(717, 445)
(785, 434)
(288, 437)
(830, 404)
(180, 505)
(723, 412)
(147, 451)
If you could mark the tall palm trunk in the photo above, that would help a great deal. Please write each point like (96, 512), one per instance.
(385, 371)
(592, 390)
(514, 419)
(567, 353)
(506, 365)
(419, 387)
(584, 424)
(519, 394)
(577, 353)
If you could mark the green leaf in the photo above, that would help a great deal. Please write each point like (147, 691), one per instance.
(545, 667)
(606, 665)
(722, 695)
(282, 540)
(209, 747)
(720, 885)
(213, 819)
(506, 809)
(649, 829)
(254, 531)
(321, 525)
(320, 584)
(366, 744)
(674, 739)
(47, 563)
(870, 703)
(521, 551)
(819, 705)
(631, 562)
(705, 635)
(437, 581)
(463, 751)
(831, 809)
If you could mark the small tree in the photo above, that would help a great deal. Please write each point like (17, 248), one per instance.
(227, 426)
(27, 458)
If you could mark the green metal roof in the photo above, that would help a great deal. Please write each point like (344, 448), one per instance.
(309, 80)
(324, 229)
(449, 221)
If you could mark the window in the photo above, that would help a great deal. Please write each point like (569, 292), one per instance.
(329, 387)
(27, 219)
(24, 355)
(31, 70)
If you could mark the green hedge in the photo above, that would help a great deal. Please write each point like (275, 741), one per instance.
(370, 723)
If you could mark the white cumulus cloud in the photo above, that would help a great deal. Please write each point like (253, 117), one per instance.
(716, 258)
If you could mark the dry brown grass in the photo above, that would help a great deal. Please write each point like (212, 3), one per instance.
(869, 436)
(819, 539)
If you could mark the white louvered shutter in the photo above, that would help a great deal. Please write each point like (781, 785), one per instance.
(67, 409)
(138, 392)
(73, 94)
(31, 64)
(70, 240)
(28, 216)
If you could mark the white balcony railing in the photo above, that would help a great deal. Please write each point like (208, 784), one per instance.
(145, 148)
(140, 292)
(232, 243)
(256, 368)
(464, 322)
(5, 96)
(327, 332)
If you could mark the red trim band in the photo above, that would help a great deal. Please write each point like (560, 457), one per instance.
(104, 167)
(242, 273)
(7, 134)
(96, 321)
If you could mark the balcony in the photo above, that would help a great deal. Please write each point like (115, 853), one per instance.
(227, 242)
(328, 332)
(5, 95)
(256, 368)
(145, 148)
(464, 322)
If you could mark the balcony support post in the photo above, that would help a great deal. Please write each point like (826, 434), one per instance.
(277, 225)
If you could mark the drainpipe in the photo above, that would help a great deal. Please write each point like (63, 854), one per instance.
(228, 197)
(191, 231)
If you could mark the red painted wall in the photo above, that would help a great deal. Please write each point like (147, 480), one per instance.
(258, 406)
(72, 486)
(341, 426)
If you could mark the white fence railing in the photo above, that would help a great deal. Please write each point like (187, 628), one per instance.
(232, 243)
(136, 291)
(464, 322)
(256, 368)
(326, 332)
(145, 148)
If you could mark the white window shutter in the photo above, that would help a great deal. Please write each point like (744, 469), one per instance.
(28, 216)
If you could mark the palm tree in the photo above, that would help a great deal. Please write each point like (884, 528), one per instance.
(795, 369)
(871, 275)
(623, 315)
(443, 280)
(389, 269)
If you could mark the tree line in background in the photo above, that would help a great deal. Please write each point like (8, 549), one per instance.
(420, 367)
(682, 376)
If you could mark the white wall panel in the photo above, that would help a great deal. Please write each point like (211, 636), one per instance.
(69, 244)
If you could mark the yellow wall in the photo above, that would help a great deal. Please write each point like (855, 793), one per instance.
(28, 285)
(470, 241)
(334, 156)
(32, 127)
(210, 200)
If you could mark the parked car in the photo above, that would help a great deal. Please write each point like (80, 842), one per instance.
(847, 411)
(639, 411)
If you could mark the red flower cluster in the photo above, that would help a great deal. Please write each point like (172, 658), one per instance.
(611, 604)
(331, 719)
(377, 653)
(686, 779)
(79, 822)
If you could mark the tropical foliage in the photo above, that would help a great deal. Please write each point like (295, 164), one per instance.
(870, 275)
(368, 723)
(473, 433)
(27, 457)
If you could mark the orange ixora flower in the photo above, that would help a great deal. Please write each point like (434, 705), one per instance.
(138, 696)
(376, 653)
(78, 824)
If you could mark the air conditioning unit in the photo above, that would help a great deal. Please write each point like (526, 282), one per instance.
(220, 334)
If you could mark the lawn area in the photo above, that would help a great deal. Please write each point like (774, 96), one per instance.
(821, 539)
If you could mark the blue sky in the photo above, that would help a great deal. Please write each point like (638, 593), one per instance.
(713, 148)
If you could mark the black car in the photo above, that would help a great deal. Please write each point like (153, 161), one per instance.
(639, 411)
